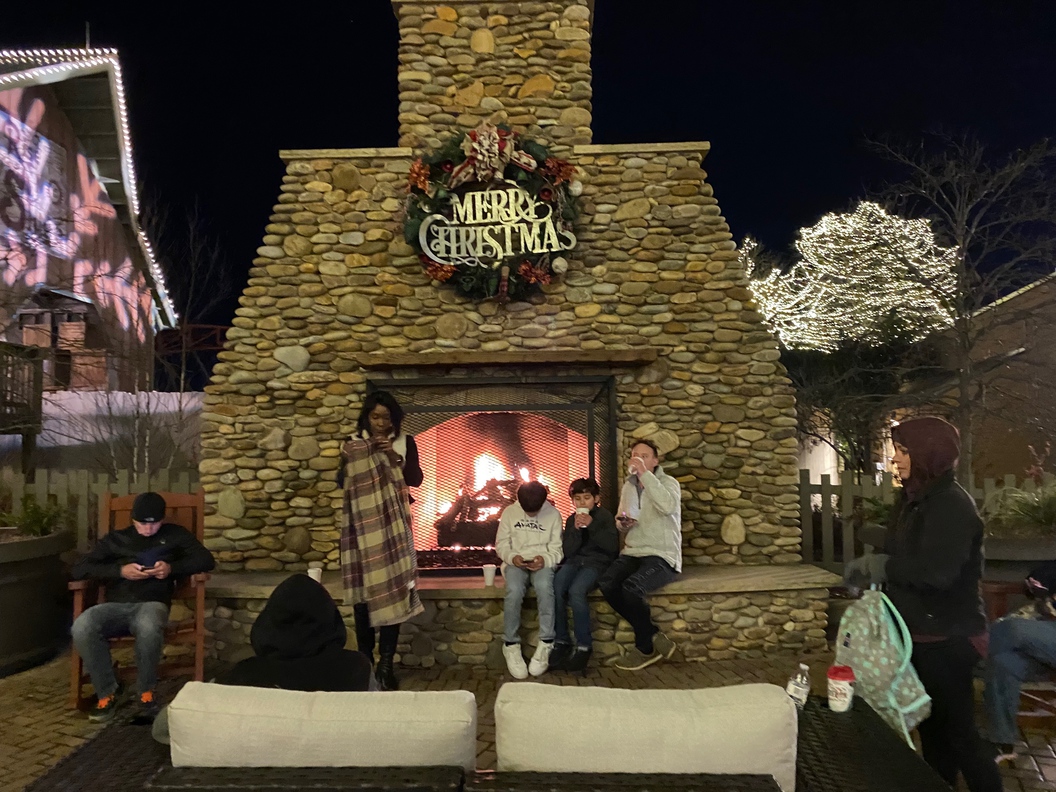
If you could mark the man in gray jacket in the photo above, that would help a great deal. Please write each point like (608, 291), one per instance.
(650, 512)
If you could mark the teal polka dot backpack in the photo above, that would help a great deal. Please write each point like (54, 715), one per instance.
(875, 642)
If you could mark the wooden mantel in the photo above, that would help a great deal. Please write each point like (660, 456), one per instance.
(640, 356)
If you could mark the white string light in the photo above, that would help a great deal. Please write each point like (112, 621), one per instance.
(47, 64)
(856, 270)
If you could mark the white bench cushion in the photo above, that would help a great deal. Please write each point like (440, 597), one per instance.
(227, 726)
(738, 729)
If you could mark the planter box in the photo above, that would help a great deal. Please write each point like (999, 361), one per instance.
(998, 549)
(34, 608)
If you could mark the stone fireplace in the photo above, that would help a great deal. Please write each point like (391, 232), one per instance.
(651, 333)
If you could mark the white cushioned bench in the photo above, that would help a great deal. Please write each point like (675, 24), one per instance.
(737, 729)
(226, 726)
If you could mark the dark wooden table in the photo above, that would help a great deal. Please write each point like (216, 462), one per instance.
(856, 751)
(852, 751)
(491, 781)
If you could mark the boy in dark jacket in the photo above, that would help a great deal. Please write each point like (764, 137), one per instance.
(590, 543)
(139, 566)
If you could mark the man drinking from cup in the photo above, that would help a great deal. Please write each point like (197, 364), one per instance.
(650, 513)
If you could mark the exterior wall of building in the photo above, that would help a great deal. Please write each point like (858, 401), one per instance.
(58, 229)
(1016, 408)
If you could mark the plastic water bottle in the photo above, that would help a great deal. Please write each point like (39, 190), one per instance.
(798, 687)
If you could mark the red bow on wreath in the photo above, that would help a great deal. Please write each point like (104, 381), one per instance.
(533, 274)
(488, 151)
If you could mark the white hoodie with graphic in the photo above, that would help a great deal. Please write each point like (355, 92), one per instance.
(528, 537)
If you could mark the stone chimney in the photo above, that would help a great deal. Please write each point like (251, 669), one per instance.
(525, 64)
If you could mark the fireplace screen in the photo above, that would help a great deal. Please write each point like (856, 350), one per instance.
(479, 443)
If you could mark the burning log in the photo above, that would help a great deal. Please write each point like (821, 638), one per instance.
(473, 519)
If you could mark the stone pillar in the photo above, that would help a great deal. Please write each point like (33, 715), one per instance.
(525, 64)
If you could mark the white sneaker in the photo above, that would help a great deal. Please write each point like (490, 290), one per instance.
(541, 658)
(515, 661)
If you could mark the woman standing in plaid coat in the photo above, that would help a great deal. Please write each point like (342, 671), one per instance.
(378, 561)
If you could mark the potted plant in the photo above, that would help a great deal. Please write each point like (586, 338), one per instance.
(1021, 523)
(33, 599)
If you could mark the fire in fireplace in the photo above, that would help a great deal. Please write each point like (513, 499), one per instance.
(478, 444)
(474, 465)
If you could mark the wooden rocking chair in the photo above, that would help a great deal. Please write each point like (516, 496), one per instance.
(115, 513)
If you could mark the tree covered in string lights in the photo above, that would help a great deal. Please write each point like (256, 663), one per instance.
(857, 273)
(997, 210)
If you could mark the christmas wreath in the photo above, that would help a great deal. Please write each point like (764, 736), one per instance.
(490, 213)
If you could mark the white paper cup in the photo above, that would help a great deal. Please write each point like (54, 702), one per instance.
(582, 510)
(316, 574)
(841, 692)
(489, 574)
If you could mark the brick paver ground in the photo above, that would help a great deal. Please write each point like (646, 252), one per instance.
(37, 730)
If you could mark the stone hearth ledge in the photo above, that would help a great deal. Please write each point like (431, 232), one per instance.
(693, 580)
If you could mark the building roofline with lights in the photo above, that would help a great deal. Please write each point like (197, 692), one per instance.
(37, 67)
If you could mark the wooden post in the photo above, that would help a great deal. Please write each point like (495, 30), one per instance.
(29, 453)
(806, 517)
(847, 512)
(827, 548)
(79, 485)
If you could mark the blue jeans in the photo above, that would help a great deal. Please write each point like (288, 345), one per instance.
(572, 583)
(1020, 649)
(144, 620)
(624, 586)
(516, 584)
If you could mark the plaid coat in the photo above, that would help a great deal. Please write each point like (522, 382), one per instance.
(378, 563)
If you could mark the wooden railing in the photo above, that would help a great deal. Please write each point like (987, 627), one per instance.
(21, 389)
(78, 491)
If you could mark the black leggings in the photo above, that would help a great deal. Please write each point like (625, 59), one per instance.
(949, 738)
(389, 634)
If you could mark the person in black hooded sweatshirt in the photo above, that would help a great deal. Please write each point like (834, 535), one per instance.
(299, 644)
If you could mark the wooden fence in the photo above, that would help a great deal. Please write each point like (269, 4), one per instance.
(830, 511)
(79, 491)
(831, 515)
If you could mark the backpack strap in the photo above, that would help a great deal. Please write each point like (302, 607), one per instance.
(903, 632)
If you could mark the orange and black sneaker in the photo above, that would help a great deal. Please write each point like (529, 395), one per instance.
(105, 708)
(148, 704)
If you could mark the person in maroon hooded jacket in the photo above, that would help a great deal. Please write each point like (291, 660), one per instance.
(931, 566)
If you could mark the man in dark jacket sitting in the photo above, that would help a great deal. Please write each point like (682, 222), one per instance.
(139, 566)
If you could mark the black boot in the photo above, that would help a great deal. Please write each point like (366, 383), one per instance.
(385, 674)
(578, 662)
(560, 655)
(364, 632)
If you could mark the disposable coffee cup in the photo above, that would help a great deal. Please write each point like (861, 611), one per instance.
(841, 687)
(489, 574)
(316, 574)
(582, 510)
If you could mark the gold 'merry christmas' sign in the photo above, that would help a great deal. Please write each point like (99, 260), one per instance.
(489, 226)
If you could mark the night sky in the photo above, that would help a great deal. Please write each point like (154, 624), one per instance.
(785, 91)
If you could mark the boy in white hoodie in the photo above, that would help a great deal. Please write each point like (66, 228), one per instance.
(529, 543)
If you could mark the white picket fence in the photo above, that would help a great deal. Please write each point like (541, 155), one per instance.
(824, 506)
